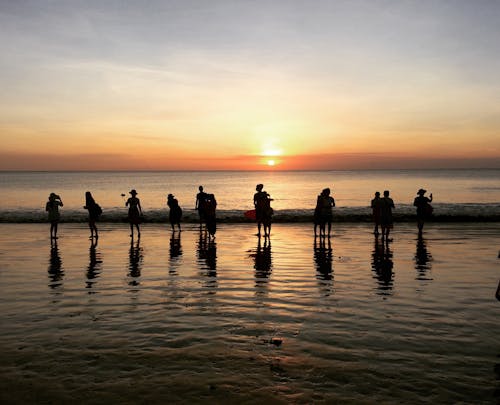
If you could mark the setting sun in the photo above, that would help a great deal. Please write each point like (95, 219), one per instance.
(271, 162)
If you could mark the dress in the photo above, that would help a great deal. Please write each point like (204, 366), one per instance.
(52, 207)
(94, 211)
(386, 206)
(323, 211)
(263, 210)
(175, 213)
(376, 210)
(134, 215)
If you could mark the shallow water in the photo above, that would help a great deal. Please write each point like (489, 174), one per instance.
(290, 321)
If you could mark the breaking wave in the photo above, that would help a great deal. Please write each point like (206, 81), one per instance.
(442, 213)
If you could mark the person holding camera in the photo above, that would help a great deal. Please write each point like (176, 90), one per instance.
(52, 207)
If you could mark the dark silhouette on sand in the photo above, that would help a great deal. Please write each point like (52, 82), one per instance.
(94, 213)
(423, 259)
(323, 214)
(375, 206)
(134, 213)
(386, 221)
(207, 259)
(52, 207)
(382, 265)
(424, 208)
(175, 213)
(323, 258)
(175, 246)
(263, 211)
(262, 257)
(200, 204)
(135, 263)
(497, 294)
(55, 270)
(94, 267)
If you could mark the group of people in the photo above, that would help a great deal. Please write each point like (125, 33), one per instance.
(206, 205)
(382, 212)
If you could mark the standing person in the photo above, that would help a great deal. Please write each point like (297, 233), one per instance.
(324, 205)
(52, 207)
(424, 209)
(209, 214)
(375, 205)
(175, 213)
(94, 212)
(263, 211)
(386, 222)
(200, 204)
(134, 213)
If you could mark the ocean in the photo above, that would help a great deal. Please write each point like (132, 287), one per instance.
(459, 195)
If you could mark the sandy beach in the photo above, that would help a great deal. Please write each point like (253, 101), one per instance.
(290, 320)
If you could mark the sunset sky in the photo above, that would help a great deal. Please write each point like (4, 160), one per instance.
(249, 84)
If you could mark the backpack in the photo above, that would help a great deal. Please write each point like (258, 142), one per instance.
(97, 209)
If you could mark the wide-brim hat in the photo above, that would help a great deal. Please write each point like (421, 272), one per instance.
(421, 191)
(133, 192)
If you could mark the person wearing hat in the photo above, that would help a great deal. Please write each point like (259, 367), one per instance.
(175, 213)
(52, 207)
(424, 208)
(134, 213)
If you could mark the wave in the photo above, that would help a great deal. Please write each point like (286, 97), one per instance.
(403, 213)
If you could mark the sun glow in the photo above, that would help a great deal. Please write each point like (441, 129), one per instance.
(271, 162)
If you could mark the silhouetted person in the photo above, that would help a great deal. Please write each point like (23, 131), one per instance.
(386, 221)
(263, 211)
(200, 204)
(422, 258)
(210, 208)
(324, 205)
(375, 205)
(498, 292)
(94, 266)
(94, 212)
(55, 270)
(52, 207)
(175, 213)
(134, 213)
(424, 209)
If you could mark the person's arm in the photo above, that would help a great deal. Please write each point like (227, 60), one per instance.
(333, 202)
(139, 206)
(430, 199)
(60, 202)
(196, 204)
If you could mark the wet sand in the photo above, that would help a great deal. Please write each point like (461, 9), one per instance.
(183, 320)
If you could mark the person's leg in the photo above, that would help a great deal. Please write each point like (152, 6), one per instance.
(259, 224)
(131, 230)
(329, 228)
(138, 230)
(55, 230)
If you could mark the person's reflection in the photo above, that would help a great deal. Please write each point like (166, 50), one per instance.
(55, 270)
(207, 258)
(135, 263)
(175, 252)
(382, 265)
(94, 267)
(422, 259)
(323, 257)
(262, 264)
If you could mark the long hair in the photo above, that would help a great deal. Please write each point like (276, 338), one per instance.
(89, 200)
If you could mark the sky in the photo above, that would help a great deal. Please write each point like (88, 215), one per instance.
(249, 84)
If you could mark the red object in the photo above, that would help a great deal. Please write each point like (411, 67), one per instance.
(251, 215)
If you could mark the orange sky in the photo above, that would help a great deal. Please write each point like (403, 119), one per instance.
(223, 84)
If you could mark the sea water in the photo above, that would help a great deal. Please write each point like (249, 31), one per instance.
(458, 194)
(180, 318)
